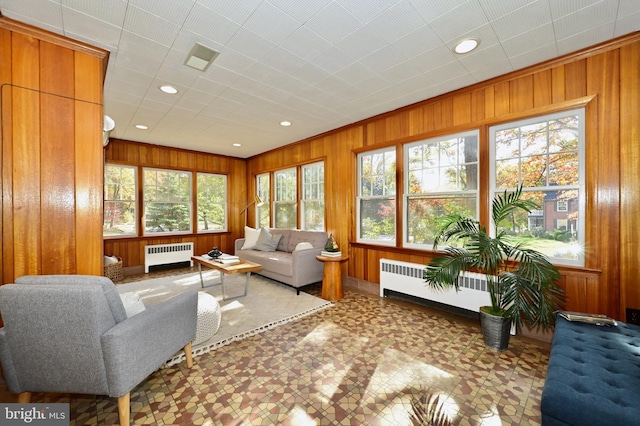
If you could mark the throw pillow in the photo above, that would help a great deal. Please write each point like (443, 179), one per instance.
(132, 303)
(267, 241)
(303, 246)
(250, 238)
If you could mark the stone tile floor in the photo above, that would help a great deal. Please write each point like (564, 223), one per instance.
(365, 361)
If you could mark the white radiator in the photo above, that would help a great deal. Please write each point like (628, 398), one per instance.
(408, 278)
(163, 254)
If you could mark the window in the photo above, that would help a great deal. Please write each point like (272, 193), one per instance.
(167, 201)
(212, 202)
(263, 189)
(376, 208)
(285, 196)
(120, 191)
(313, 197)
(546, 156)
(441, 178)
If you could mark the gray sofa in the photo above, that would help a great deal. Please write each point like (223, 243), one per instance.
(296, 268)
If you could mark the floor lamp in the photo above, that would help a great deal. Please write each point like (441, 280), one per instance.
(257, 201)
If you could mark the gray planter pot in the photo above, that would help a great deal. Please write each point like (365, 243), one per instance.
(495, 331)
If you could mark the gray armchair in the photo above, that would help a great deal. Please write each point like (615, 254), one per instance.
(71, 334)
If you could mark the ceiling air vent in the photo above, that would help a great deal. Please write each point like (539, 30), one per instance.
(200, 57)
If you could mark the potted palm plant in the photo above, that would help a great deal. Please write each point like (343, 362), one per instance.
(523, 284)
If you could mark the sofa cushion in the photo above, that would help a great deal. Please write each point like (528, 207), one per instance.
(283, 245)
(250, 237)
(279, 262)
(317, 239)
(267, 241)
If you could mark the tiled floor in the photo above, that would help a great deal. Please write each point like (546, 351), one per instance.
(361, 362)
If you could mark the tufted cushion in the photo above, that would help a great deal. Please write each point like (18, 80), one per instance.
(593, 375)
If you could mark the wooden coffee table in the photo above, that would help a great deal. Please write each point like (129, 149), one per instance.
(225, 269)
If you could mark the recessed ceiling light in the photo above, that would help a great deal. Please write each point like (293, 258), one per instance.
(237, 144)
(169, 89)
(466, 46)
(285, 123)
(141, 127)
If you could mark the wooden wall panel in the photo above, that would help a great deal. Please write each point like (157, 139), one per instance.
(629, 176)
(42, 162)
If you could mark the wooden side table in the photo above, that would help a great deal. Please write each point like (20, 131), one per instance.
(332, 277)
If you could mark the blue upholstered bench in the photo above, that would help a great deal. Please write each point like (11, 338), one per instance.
(593, 376)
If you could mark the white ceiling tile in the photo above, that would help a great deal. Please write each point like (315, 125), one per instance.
(355, 73)
(332, 60)
(271, 23)
(90, 28)
(459, 21)
(250, 44)
(361, 42)
(367, 10)
(585, 19)
(532, 16)
(383, 58)
(529, 41)
(309, 73)
(304, 43)
(432, 9)
(211, 25)
(494, 9)
(302, 11)
(237, 11)
(396, 22)
(173, 11)
(282, 60)
(233, 61)
(435, 58)
(417, 42)
(333, 22)
(400, 72)
(148, 25)
(560, 8)
(34, 12)
(533, 56)
(588, 37)
(627, 24)
(111, 11)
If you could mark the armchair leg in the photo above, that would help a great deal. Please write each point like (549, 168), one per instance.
(188, 355)
(124, 409)
(24, 397)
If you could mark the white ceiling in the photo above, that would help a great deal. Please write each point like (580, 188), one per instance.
(320, 64)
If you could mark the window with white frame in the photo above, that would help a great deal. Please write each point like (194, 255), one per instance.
(264, 192)
(562, 206)
(212, 202)
(441, 178)
(120, 201)
(546, 156)
(285, 197)
(167, 201)
(312, 201)
(376, 203)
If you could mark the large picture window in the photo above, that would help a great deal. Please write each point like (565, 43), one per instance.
(120, 204)
(441, 178)
(167, 201)
(377, 196)
(546, 156)
(212, 202)
(263, 212)
(285, 197)
(313, 197)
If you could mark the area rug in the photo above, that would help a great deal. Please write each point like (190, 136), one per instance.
(267, 304)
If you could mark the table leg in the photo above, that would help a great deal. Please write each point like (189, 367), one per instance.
(200, 272)
(246, 287)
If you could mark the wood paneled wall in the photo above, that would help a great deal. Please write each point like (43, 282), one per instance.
(603, 79)
(131, 250)
(51, 91)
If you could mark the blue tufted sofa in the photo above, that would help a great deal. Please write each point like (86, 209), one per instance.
(593, 376)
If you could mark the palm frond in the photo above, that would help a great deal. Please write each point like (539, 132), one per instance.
(507, 203)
